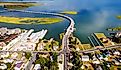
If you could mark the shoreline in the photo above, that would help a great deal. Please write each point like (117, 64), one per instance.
(69, 12)
(114, 29)
(27, 20)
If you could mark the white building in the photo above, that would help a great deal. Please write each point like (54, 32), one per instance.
(2, 44)
(118, 34)
(37, 67)
(85, 58)
(3, 66)
(3, 31)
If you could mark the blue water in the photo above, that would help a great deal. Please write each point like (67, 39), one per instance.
(53, 29)
(93, 16)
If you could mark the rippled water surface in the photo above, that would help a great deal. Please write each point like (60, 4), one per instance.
(93, 16)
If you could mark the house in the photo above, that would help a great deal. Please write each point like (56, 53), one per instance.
(99, 68)
(116, 62)
(3, 31)
(17, 30)
(3, 55)
(14, 55)
(83, 67)
(2, 44)
(40, 46)
(10, 31)
(55, 48)
(18, 65)
(37, 67)
(8, 60)
(3, 66)
(118, 34)
(96, 62)
(116, 53)
(77, 49)
(85, 58)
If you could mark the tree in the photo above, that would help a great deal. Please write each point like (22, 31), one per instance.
(27, 55)
(55, 56)
(41, 61)
(8, 65)
(54, 65)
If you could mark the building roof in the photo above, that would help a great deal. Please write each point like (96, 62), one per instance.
(37, 66)
(85, 58)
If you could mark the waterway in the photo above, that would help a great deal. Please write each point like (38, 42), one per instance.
(93, 16)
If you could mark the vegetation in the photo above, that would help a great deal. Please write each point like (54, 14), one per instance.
(69, 12)
(17, 5)
(61, 36)
(105, 66)
(54, 56)
(49, 45)
(9, 65)
(87, 46)
(75, 60)
(1, 48)
(103, 40)
(48, 63)
(28, 55)
(27, 20)
(118, 17)
(116, 39)
(114, 29)
(100, 35)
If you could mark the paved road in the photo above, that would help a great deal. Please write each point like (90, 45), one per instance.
(31, 60)
(107, 47)
(68, 32)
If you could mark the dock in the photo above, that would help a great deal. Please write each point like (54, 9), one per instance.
(103, 39)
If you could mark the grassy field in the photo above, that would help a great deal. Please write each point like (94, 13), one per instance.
(27, 20)
(17, 5)
(114, 29)
(87, 46)
(69, 12)
(102, 35)
(118, 17)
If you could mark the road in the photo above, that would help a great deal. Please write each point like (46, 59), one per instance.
(107, 47)
(68, 32)
(31, 60)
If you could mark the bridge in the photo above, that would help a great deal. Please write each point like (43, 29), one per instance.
(65, 41)
(68, 32)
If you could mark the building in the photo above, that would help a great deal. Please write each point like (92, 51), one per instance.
(3, 31)
(118, 34)
(18, 65)
(85, 58)
(3, 66)
(2, 44)
(37, 67)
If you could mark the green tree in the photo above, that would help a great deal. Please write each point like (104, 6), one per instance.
(41, 61)
(55, 56)
(8, 65)
(54, 66)
(28, 55)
